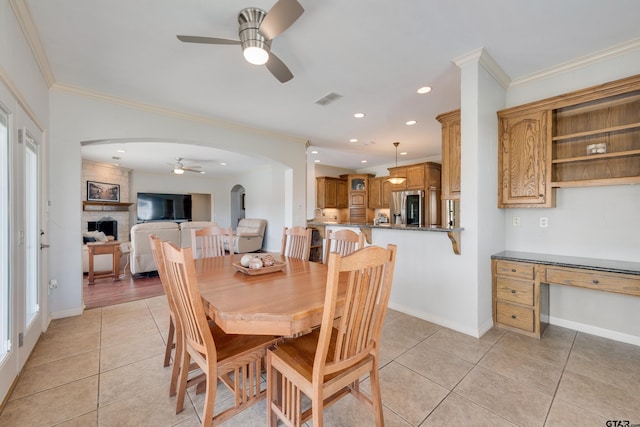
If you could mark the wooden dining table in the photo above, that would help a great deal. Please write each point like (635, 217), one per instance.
(284, 302)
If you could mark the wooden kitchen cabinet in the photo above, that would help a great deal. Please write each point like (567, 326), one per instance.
(358, 185)
(415, 177)
(379, 193)
(398, 171)
(331, 192)
(516, 297)
(584, 138)
(597, 141)
(414, 174)
(523, 159)
(451, 142)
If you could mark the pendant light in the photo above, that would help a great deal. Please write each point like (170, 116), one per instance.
(395, 180)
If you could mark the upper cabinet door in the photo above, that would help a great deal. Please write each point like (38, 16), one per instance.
(450, 154)
(524, 160)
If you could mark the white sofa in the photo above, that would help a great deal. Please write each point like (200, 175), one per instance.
(249, 235)
(141, 256)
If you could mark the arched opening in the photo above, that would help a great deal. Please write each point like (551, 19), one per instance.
(237, 205)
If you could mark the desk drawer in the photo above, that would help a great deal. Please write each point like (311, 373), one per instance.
(610, 282)
(520, 270)
(515, 316)
(518, 291)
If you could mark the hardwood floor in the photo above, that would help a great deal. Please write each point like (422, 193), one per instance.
(107, 292)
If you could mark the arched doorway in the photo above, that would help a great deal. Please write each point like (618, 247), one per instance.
(237, 205)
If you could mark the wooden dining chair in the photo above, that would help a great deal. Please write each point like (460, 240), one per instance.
(234, 359)
(156, 250)
(344, 242)
(296, 242)
(212, 240)
(328, 363)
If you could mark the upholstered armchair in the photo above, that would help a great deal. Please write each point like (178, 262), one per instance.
(249, 235)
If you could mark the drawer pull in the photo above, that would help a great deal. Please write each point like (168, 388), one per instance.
(513, 270)
(596, 281)
(513, 291)
(513, 316)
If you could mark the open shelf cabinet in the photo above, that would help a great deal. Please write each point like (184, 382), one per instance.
(610, 123)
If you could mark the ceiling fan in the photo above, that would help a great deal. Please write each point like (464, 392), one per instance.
(179, 168)
(257, 29)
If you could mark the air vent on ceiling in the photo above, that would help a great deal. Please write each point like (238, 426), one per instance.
(328, 99)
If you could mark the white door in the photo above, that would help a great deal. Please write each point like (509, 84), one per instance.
(30, 300)
(8, 355)
(22, 279)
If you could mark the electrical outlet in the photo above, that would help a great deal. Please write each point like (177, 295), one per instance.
(516, 221)
(544, 222)
(53, 284)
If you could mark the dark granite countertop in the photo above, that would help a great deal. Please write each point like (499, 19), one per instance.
(597, 264)
(383, 226)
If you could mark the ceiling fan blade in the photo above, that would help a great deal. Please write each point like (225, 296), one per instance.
(193, 170)
(208, 40)
(278, 69)
(280, 17)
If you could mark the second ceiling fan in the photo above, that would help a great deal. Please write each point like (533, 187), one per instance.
(257, 29)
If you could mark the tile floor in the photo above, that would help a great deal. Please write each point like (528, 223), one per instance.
(104, 368)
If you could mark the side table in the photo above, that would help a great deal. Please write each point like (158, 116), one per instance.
(100, 248)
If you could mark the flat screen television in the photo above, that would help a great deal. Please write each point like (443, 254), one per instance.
(163, 207)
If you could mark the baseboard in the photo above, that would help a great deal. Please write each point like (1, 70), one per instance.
(477, 333)
(594, 330)
(67, 313)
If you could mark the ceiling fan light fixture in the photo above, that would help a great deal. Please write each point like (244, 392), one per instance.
(178, 171)
(255, 55)
(395, 180)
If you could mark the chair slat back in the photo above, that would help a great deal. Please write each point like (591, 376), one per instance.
(344, 242)
(158, 257)
(212, 241)
(181, 275)
(370, 273)
(296, 242)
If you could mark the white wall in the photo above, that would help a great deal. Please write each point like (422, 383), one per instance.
(145, 182)
(597, 222)
(77, 117)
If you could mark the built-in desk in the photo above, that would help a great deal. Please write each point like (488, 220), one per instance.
(520, 284)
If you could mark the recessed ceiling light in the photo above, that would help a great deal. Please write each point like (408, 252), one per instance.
(359, 115)
(223, 164)
(316, 161)
(411, 123)
(353, 140)
(363, 161)
(314, 152)
(202, 172)
(424, 89)
(121, 151)
(404, 153)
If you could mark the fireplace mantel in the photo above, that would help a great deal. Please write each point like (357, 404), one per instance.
(105, 206)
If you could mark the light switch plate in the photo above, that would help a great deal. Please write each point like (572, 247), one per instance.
(544, 222)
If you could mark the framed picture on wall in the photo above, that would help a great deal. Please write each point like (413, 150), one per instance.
(102, 192)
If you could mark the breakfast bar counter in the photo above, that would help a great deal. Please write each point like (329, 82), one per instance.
(452, 233)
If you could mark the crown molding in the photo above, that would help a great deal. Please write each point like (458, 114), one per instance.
(169, 112)
(4, 78)
(621, 49)
(482, 57)
(21, 10)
